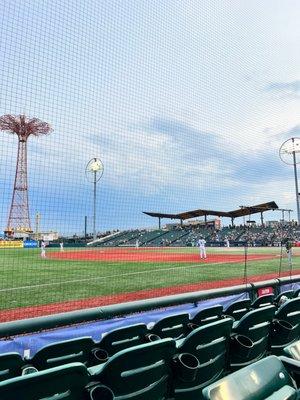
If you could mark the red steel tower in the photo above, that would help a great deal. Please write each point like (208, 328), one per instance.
(23, 127)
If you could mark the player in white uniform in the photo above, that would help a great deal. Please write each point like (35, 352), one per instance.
(61, 244)
(227, 244)
(201, 244)
(137, 244)
(43, 249)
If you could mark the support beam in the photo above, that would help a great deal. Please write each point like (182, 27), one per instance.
(159, 223)
(262, 218)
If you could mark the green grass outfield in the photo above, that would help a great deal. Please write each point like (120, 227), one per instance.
(28, 280)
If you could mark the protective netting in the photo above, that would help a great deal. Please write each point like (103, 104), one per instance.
(109, 109)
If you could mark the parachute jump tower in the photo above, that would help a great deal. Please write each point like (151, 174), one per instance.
(23, 127)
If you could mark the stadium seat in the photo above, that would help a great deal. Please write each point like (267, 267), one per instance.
(173, 326)
(238, 309)
(122, 338)
(67, 351)
(64, 382)
(286, 326)
(210, 344)
(287, 293)
(138, 373)
(251, 337)
(10, 365)
(267, 379)
(296, 292)
(263, 301)
(207, 315)
(293, 350)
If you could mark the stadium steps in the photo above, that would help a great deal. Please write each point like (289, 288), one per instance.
(110, 239)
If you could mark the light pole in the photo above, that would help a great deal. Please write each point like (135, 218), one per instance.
(288, 154)
(94, 171)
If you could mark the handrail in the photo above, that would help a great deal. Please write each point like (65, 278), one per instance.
(13, 328)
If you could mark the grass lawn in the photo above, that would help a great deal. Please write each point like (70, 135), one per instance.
(28, 280)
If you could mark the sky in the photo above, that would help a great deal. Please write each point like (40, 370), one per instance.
(185, 102)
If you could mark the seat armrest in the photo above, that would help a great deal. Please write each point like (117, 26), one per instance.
(96, 370)
(290, 364)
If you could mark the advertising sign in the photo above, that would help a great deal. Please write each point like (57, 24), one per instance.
(30, 244)
(11, 244)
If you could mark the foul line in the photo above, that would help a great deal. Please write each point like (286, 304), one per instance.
(104, 277)
(116, 276)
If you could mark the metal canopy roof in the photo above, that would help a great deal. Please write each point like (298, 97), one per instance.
(246, 210)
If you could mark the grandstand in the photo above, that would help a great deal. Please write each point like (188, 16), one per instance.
(188, 235)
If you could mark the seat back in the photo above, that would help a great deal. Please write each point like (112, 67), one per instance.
(263, 301)
(67, 351)
(208, 315)
(290, 311)
(210, 344)
(256, 323)
(122, 338)
(256, 326)
(173, 326)
(287, 293)
(238, 309)
(141, 372)
(265, 379)
(10, 365)
(293, 350)
(66, 382)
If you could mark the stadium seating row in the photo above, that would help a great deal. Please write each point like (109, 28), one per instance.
(185, 235)
(202, 356)
(158, 371)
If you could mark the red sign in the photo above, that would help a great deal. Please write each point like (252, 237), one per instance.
(264, 291)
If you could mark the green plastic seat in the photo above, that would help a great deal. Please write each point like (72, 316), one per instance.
(293, 350)
(207, 315)
(138, 373)
(238, 309)
(263, 301)
(10, 365)
(266, 379)
(250, 339)
(287, 293)
(173, 326)
(67, 382)
(296, 293)
(210, 344)
(123, 338)
(286, 327)
(67, 351)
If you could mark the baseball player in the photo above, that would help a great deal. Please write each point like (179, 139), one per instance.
(227, 243)
(43, 249)
(201, 244)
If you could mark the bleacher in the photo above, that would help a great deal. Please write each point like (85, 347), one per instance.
(189, 236)
(200, 352)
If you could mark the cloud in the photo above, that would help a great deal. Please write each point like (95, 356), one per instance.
(164, 153)
(285, 89)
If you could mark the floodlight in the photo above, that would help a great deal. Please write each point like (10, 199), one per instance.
(288, 153)
(94, 171)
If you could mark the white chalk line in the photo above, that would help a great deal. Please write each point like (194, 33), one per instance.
(103, 278)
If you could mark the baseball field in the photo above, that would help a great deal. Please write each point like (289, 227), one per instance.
(80, 278)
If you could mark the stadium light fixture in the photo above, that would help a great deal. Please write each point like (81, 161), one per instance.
(94, 171)
(289, 154)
